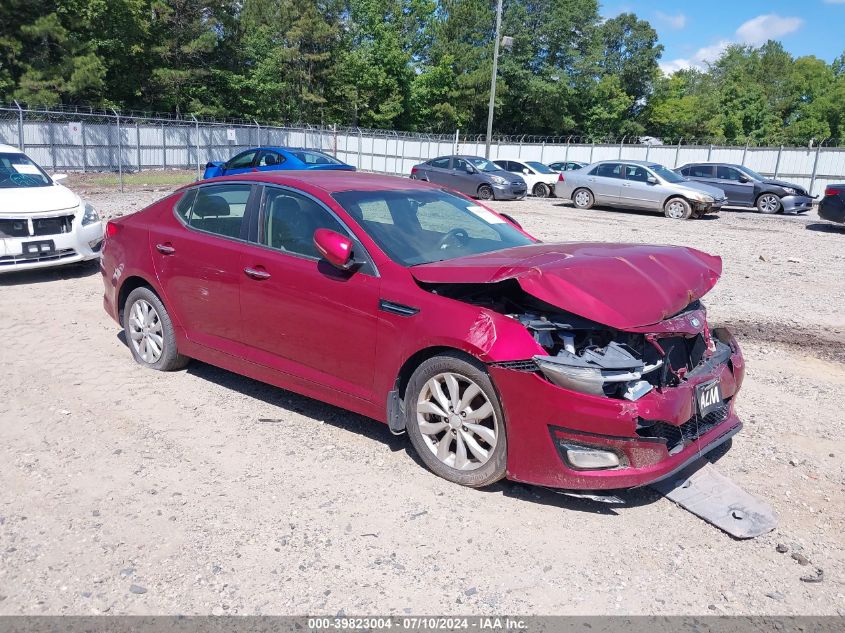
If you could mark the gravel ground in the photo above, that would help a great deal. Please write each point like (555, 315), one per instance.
(132, 491)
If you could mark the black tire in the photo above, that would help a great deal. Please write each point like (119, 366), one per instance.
(768, 203)
(170, 359)
(583, 198)
(494, 468)
(485, 192)
(541, 190)
(677, 209)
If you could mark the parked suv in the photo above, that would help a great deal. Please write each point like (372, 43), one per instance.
(744, 187)
(832, 206)
(473, 176)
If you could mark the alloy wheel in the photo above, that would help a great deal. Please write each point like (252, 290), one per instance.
(145, 331)
(457, 421)
(769, 203)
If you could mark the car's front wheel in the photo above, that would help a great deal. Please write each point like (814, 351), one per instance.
(455, 422)
(485, 192)
(768, 203)
(149, 332)
(677, 209)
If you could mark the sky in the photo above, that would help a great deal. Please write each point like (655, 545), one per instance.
(696, 32)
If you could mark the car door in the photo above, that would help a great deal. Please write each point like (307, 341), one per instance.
(462, 180)
(301, 315)
(437, 170)
(240, 164)
(729, 179)
(637, 192)
(196, 251)
(525, 172)
(269, 160)
(605, 181)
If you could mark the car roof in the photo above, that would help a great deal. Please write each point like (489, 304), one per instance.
(711, 162)
(10, 149)
(283, 149)
(644, 163)
(330, 181)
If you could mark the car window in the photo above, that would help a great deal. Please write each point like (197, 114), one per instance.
(220, 209)
(608, 170)
(540, 168)
(313, 157)
(18, 171)
(440, 163)
(573, 166)
(636, 173)
(183, 207)
(420, 226)
(557, 166)
(459, 164)
(290, 220)
(242, 161)
(516, 167)
(724, 172)
(269, 159)
(700, 171)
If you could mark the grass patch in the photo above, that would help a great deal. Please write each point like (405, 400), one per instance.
(151, 178)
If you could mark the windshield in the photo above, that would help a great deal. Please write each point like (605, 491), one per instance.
(482, 164)
(310, 157)
(540, 168)
(666, 174)
(750, 172)
(17, 171)
(419, 227)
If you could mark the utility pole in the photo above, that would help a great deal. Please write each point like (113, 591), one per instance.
(493, 79)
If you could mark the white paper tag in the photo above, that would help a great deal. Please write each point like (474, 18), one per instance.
(484, 214)
(31, 170)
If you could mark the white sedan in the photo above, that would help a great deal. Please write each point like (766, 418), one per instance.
(539, 178)
(42, 223)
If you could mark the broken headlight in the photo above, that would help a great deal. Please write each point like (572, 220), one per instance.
(612, 370)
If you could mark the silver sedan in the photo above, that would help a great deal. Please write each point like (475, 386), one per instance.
(638, 185)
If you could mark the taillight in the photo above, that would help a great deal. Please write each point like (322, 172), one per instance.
(414, 170)
(111, 229)
(560, 177)
(832, 190)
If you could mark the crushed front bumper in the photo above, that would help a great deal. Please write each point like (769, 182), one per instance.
(542, 417)
(509, 191)
(797, 204)
(36, 245)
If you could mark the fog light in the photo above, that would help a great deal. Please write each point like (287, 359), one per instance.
(583, 458)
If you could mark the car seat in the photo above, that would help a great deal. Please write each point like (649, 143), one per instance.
(290, 227)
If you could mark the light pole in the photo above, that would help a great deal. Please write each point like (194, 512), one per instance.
(493, 80)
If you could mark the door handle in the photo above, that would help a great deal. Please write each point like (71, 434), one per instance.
(165, 249)
(254, 273)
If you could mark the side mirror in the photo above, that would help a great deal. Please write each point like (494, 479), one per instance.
(743, 178)
(58, 177)
(511, 220)
(469, 169)
(335, 248)
(651, 180)
(526, 171)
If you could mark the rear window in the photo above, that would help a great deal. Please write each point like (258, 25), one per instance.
(608, 170)
(311, 157)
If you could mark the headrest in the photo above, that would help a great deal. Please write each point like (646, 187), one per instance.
(210, 206)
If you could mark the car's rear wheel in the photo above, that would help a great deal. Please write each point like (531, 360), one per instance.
(455, 422)
(149, 332)
(677, 209)
(541, 190)
(768, 203)
(485, 192)
(583, 198)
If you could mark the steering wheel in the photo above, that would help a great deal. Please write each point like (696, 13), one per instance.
(454, 234)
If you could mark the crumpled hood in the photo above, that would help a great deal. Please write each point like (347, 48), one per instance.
(783, 183)
(621, 285)
(22, 200)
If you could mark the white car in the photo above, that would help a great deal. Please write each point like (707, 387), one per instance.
(42, 223)
(539, 178)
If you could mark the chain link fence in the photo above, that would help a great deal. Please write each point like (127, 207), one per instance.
(85, 139)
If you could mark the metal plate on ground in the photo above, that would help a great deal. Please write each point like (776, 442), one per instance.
(707, 493)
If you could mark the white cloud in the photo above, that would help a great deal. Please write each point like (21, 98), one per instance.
(677, 22)
(767, 27)
(754, 32)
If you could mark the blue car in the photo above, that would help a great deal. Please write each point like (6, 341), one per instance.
(273, 158)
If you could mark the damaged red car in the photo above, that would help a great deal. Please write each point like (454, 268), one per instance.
(580, 366)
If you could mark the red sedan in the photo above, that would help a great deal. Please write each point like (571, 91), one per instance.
(579, 366)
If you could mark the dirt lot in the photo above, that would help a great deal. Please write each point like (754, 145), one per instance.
(130, 491)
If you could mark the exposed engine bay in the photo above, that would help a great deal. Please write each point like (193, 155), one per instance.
(589, 357)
